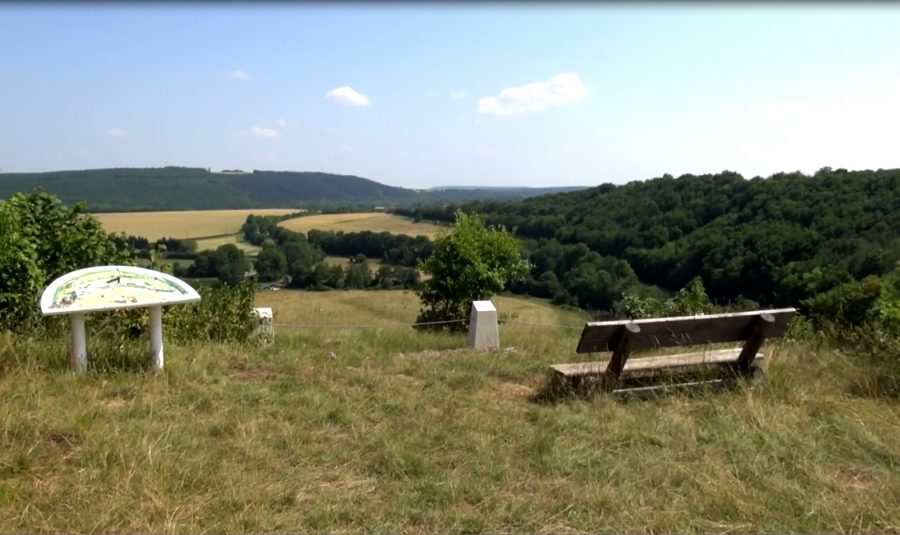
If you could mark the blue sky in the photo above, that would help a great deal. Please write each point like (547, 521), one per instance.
(420, 95)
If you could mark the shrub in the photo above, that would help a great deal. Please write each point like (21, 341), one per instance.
(41, 240)
(470, 262)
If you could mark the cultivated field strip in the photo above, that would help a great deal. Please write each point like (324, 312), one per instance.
(189, 224)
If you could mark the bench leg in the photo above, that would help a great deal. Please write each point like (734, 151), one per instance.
(760, 330)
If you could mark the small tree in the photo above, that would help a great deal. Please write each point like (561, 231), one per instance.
(470, 262)
(271, 263)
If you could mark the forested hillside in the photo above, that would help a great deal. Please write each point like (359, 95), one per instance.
(186, 188)
(775, 241)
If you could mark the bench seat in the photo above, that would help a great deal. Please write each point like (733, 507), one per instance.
(646, 366)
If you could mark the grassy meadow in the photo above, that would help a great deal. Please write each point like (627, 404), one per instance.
(358, 222)
(185, 224)
(372, 426)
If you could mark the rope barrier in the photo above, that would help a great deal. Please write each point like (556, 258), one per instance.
(364, 326)
(558, 326)
(395, 325)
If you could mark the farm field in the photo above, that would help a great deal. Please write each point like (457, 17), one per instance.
(188, 224)
(352, 421)
(237, 240)
(358, 222)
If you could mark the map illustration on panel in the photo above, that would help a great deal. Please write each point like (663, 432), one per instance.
(114, 287)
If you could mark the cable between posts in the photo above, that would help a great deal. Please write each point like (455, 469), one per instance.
(396, 325)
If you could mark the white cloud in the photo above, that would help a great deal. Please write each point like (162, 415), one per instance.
(117, 132)
(854, 130)
(239, 75)
(458, 95)
(280, 123)
(347, 97)
(560, 90)
(265, 133)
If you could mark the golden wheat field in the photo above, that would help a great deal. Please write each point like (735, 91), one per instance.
(360, 221)
(187, 224)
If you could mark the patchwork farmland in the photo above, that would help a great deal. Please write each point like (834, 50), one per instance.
(182, 225)
(360, 221)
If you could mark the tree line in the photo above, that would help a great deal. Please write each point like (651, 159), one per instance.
(761, 242)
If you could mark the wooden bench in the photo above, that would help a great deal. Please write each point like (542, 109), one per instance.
(622, 337)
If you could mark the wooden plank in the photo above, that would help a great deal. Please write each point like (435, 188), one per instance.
(648, 365)
(683, 331)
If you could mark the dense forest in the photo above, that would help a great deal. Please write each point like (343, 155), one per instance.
(768, 242)
(186, 188)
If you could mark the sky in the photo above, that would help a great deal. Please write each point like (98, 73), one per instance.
(435, 94)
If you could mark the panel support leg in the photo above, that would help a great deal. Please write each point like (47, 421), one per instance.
(78, 356)
(156, 339)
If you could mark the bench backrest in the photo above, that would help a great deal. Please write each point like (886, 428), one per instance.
(682, 331)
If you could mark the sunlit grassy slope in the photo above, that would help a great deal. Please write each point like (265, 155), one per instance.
(186, 224)
(358, 222)
(354, 422)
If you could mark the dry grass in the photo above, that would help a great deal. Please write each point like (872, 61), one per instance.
(390, 430)
(358, 222)
(188, 224)
(237, 240)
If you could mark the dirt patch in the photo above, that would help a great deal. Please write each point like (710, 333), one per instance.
(259, 373)
(850, 480)
(506, 391)
(63, 438)
(114, 404)
(335, 482)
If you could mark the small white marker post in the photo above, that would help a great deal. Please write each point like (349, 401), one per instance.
(483, 330)
(114, 288)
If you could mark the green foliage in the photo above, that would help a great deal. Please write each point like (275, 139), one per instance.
(227, 263)
(139, 189)
(774, 241)
(271, 263)
(470, 262)
(222, 314)
(873, 302)
(688, 301)
(359, 275)
(41, 240)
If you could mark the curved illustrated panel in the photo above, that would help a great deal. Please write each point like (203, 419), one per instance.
(114, 287)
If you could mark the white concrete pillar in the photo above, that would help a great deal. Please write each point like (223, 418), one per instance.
(156, 338)
(78, 356)
(483, 330)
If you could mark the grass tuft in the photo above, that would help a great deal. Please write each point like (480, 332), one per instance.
(388, 429)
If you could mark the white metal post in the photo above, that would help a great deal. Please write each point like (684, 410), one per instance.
(156, 339)
(78, 356)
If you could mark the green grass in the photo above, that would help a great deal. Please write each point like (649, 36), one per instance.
(389, 430)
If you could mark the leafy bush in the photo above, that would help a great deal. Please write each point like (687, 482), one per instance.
(470, 262)
(223, 314)
(690, 300)
(41, 240)
(865, 316)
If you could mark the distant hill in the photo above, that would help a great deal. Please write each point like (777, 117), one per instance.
(476, 193)
(189, 188)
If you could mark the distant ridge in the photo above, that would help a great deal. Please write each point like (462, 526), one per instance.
(195, 188)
